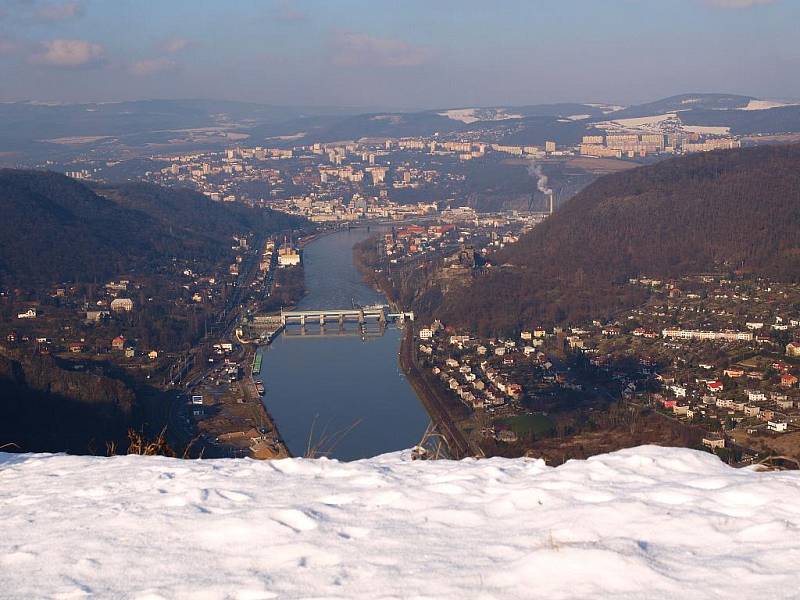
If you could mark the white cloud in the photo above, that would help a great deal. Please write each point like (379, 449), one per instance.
(69, 54)
(738, 3)
(152, 66)
(361, 49)
(174, 45)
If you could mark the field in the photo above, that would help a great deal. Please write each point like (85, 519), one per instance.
(522, 424)
(601, 166)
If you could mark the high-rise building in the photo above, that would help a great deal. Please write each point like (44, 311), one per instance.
(592, 139)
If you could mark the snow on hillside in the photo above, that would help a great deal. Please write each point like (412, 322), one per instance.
(765, 104)
(707, 129)
(471, 115)
(653, 121)
(647, 522)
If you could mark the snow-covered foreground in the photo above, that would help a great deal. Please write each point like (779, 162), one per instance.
(648, 522)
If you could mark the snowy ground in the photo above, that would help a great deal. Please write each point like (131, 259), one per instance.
(707, 129)
(470, 115)
(765, 104)
(642, 523)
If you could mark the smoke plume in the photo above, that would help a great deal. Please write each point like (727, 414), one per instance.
(535, 170)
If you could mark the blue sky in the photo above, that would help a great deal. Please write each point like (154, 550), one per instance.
(401, 53)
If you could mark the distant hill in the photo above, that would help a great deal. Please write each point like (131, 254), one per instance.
(58, 229)
(782, 119)
(730, 210)
(388, 125)
(28, 121)
(534, 124)
(507, 126)
(742, 115)
(33, 130)
(683, 102)
(562, 109)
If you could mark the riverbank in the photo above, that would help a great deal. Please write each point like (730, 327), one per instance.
(235, 422)
(434, 402)
(442, 411)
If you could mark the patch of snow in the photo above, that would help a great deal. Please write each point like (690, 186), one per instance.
(765, 104)
(465, 115)
(391, 118)
(647, 522)
(288, 137)
(607, 108)
(651, 121)
(706, 129)
(578, 117)
(471, 115)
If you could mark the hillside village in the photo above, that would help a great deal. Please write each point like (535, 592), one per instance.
(717, 353)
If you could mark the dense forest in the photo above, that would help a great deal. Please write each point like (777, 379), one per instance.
(736, 210)
(57, 229)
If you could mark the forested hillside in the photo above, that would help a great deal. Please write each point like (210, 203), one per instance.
(730, 210)
(57, 229)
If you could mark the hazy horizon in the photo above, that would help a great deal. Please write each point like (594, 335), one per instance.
(422, 55)
(377, 107)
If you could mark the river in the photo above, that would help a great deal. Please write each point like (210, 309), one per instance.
(337, 383)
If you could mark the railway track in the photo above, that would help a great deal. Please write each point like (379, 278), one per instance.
(458, 444)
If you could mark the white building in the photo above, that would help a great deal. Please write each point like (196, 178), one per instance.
(777, 426)
(122, 304)
(691, 334)
(288, 257)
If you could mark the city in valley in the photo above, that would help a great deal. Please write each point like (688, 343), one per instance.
(708, 361)
(359, 300)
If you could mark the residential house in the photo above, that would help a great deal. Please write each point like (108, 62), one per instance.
(733, 373)
(714, 442)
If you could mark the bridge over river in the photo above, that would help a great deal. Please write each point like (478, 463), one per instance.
(361, 315)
